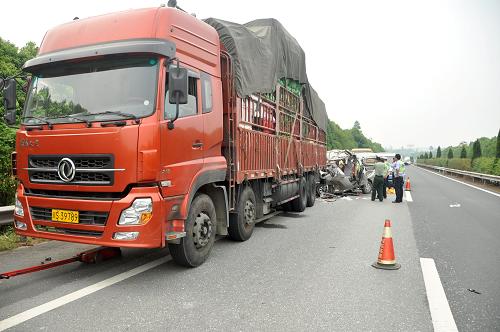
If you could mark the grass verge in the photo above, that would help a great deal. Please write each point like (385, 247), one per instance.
(10, 240)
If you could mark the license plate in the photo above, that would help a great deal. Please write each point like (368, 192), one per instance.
(65, 216)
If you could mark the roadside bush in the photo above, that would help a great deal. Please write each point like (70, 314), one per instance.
(7, 182)
(460, 163)
(485, 165)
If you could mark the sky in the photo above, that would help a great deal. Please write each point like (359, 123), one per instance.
(413, 73)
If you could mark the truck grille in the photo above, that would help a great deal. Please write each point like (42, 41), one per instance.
(89, 169)
(85, 217)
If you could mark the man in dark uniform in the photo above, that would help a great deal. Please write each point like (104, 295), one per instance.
(399, 172)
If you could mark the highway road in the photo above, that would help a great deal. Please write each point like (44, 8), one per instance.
(459, 227)
(309, 271)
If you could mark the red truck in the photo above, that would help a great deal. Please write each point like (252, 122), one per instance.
(150, 127)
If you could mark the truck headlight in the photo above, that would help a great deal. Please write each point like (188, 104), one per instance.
(139, 213)
(18, 208)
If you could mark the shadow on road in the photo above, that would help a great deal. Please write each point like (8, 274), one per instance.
(266, 225)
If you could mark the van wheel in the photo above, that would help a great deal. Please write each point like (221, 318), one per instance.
(299, 204)
(241, 224)
(201, 226)
(367, 188)
(311, 192)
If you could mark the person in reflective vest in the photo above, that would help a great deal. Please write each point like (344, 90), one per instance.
(386, 175)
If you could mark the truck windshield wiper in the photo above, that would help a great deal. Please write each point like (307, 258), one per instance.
(122, 114)
(89, 124)
(43, 121)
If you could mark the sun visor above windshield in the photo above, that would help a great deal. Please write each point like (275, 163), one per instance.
(156, 46)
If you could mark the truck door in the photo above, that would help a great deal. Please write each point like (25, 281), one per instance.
(211, 104)
(182, 147)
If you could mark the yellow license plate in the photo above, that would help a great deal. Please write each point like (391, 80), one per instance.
(65, 216)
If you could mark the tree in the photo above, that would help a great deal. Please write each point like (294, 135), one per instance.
(497, 155)
(338, 138)
(356, 125)
(426, 156)
(438, 152)
(11, 62)
(450, 153)
(476, 149)
(430, 154)
(463, 153)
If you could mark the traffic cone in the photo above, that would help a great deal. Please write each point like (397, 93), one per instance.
(408, 186)
(386, 258)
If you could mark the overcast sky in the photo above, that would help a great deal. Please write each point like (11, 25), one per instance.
(423, 72)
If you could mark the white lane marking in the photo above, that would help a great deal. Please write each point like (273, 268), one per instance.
(442, 318)
(408, 196)
(43, 308)
(467, 184)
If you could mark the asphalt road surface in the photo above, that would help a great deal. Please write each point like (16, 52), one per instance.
(309, 271)
(459, 227)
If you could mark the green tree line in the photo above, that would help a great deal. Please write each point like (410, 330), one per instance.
(338, 138)
(12, 59)
(481, 155)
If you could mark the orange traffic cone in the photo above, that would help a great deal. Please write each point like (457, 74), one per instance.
(408, 186)
(386, 258)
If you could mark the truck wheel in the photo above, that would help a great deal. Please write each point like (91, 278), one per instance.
(200, 227)
(299, 204)
(367, 188)
(241, 224)
(311, 192)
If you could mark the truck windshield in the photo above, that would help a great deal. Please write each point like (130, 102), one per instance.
(115, 87)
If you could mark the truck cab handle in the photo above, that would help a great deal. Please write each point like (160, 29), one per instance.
(197, 144)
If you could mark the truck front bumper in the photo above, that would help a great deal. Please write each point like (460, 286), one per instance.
(98, 219)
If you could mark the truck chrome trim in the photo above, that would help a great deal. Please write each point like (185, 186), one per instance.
(66, 169)
(157, 46)
(88, 170)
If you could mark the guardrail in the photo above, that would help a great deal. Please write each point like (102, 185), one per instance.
(6, 215)
(475, 176)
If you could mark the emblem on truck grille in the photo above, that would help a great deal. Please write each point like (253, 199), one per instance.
(66, 169)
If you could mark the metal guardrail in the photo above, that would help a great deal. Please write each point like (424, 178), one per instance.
(474, 175)
(6, 215)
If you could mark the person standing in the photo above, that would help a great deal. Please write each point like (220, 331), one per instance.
(378, 181)
(399, 172)
(386, 175)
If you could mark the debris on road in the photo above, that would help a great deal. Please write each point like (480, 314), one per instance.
(473, 291)
(454, 205)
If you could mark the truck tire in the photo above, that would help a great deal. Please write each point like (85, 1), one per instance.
(241, 224)
(311, 192)
(200, 227)
(299, 204)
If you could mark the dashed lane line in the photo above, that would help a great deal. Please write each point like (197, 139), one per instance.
(408, 196)
(464, 183)
(46, 307)
(442, 318)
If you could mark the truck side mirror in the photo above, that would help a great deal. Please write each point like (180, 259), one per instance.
(177, 85)
(9, 101)
(177, 90)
